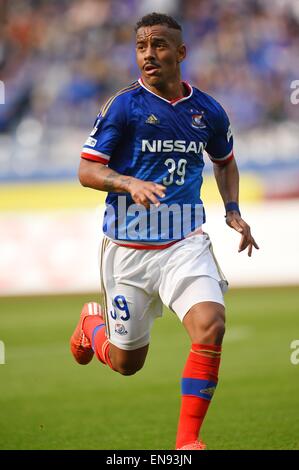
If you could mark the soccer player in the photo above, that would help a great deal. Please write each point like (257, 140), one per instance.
(146, 151)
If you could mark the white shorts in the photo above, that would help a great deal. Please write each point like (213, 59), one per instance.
(136, 284)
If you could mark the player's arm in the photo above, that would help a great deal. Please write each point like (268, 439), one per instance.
(227, 178)
(98, 176)
(109, 130)
(220, 151)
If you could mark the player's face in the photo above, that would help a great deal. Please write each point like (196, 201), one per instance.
(159, 52)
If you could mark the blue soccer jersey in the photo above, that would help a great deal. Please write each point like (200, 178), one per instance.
(141, 134)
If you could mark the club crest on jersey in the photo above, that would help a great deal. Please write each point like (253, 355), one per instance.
(152, 119)
(120, 329)
(197, 119)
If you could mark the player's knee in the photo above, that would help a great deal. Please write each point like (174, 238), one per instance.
(128, 362)
(211, 329)
(124, 369)
(216, 330)
(128, 366)
(212, 334)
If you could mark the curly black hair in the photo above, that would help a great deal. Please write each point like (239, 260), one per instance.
(154, 18)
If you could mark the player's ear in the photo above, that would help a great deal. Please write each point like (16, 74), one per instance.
(181, 53)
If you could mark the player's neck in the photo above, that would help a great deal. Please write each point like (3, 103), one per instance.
(170, 91)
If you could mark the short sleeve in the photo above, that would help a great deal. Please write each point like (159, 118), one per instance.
(107, 132)
(220, 145)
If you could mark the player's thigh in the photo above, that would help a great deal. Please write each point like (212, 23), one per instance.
(191, 275)
(129, 318)
(200, 306)
(199, 297)
(130, 302)
(129, 314)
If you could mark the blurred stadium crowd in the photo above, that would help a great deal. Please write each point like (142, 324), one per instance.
(60, 59)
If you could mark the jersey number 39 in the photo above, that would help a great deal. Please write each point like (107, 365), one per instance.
(176, 170)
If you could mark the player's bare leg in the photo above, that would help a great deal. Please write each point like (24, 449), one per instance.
(127, 362)
(205, 324)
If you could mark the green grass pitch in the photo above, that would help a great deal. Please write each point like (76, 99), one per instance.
(47, 401)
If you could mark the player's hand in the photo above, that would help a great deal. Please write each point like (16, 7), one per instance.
(235, 221)
(146, 192)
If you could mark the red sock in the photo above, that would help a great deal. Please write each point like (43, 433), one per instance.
(94, 329)
(200, 377)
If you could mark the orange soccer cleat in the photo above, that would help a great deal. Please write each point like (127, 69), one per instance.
(80, 344)
(196, 445)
